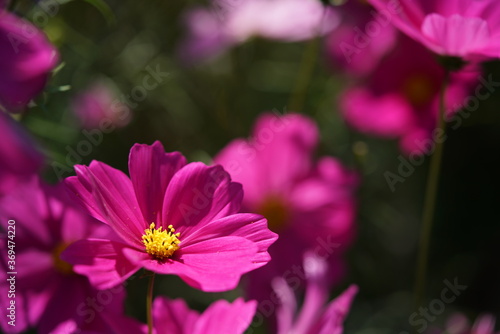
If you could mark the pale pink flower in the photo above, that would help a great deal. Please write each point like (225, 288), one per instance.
(98, 105)
(459, 28)
(229, 23)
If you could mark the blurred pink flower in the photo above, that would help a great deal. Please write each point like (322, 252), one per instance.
(26, 60)
(314, 316)
(174, 316)
(362, 38)
(400, 98)
(228, 23)
(172, 218)
(48, 294)
(20, 158)
(309, 203)
(459, 324)
(99, 104)
(461, 28)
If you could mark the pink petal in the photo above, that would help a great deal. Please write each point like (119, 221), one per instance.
(102, 261)
(317, 290)
(108, 195)
(225, 317)
(27, 60)
(61, 307)
(484, 325)
(38, 299)
(284, 145)
(278, 153)
(120, 324)
(20, 155)
(211, 265)
(173, 316)
(388, 115)
(406, 15)
(332, 321)
(239, 159)
(249, 226)
(198, 194)
(288, 305)
(456, 35)
(151, 170)
(271, 19)
(77, 224)
(35, 263)
(29, 206)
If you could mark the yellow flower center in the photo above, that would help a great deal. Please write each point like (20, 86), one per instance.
(60, 265)
(159, 243)
(419, 89)
(276, 213)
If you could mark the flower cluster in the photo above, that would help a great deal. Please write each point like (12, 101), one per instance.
(263, 230)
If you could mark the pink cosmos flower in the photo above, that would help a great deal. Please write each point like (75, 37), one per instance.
(362, 39)
(459, 324)
(171, 218)
(309, 203)
(314, 317)
(38, 223)
(400, 98)
(26, 59)
(174, 316)
(460, 28)
(99, 104)
(20, 158)
(231, 22)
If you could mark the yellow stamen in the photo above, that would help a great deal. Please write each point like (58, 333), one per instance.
(276, 213)
(61, 266)
(419, 89)
(161, 244)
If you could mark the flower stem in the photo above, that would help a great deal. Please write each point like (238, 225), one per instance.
(149, 303)
(306, 69)
(430, 200)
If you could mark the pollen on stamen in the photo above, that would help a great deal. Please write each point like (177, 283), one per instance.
(160, 243)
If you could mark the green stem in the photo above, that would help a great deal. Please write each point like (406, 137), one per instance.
(430, 201)
(306, 69)
(149, 303)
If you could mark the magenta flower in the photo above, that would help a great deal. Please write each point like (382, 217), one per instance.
(20, 158)
(400, 98)
(228, 23)
(174, 316)
(172, 218)
(461, 28)
(363, 37)
(98, 105)
(310, 204)
(26, 59)
(45, 223)
(459, 324)
(314, 316)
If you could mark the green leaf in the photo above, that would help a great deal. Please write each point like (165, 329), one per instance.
(104, 9)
